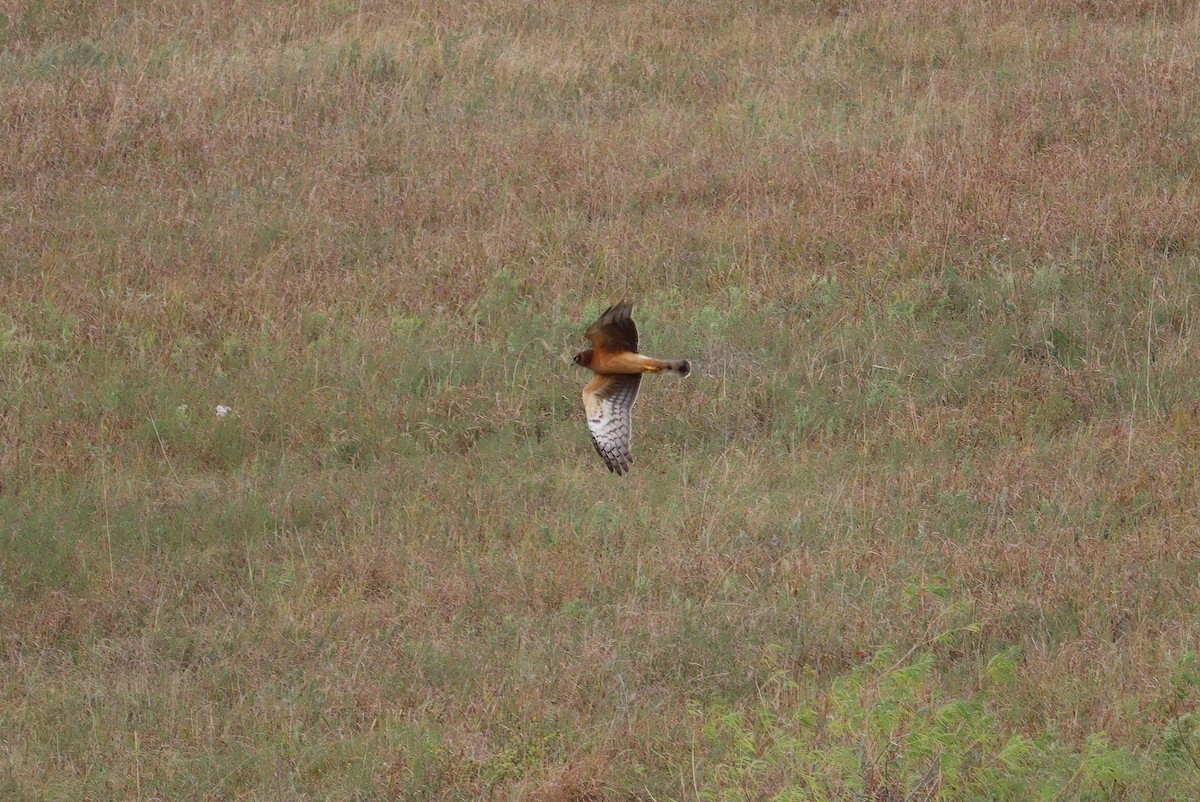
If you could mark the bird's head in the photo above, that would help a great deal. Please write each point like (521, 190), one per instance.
(583, 358)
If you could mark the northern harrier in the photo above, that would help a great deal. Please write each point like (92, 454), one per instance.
(609, 397)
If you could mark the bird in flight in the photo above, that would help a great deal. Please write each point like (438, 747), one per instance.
(609, 397)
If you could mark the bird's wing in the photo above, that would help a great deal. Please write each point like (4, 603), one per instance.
(608, 402)
(614, 330)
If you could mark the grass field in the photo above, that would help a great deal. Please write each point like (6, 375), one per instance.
(923, 523)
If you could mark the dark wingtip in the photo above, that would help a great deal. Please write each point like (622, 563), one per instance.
(614, 465)
(617, 466)
(620, 309)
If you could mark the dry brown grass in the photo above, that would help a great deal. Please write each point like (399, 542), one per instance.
(936, 262)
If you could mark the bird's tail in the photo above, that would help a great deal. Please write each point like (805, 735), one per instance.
(639, 363)
(677, 367)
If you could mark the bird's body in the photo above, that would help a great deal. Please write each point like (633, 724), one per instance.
(609, 397)
(606, 363)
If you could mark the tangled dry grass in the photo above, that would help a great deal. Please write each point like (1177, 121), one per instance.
(935, 261)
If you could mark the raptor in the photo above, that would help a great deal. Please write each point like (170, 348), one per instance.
(609, 397)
